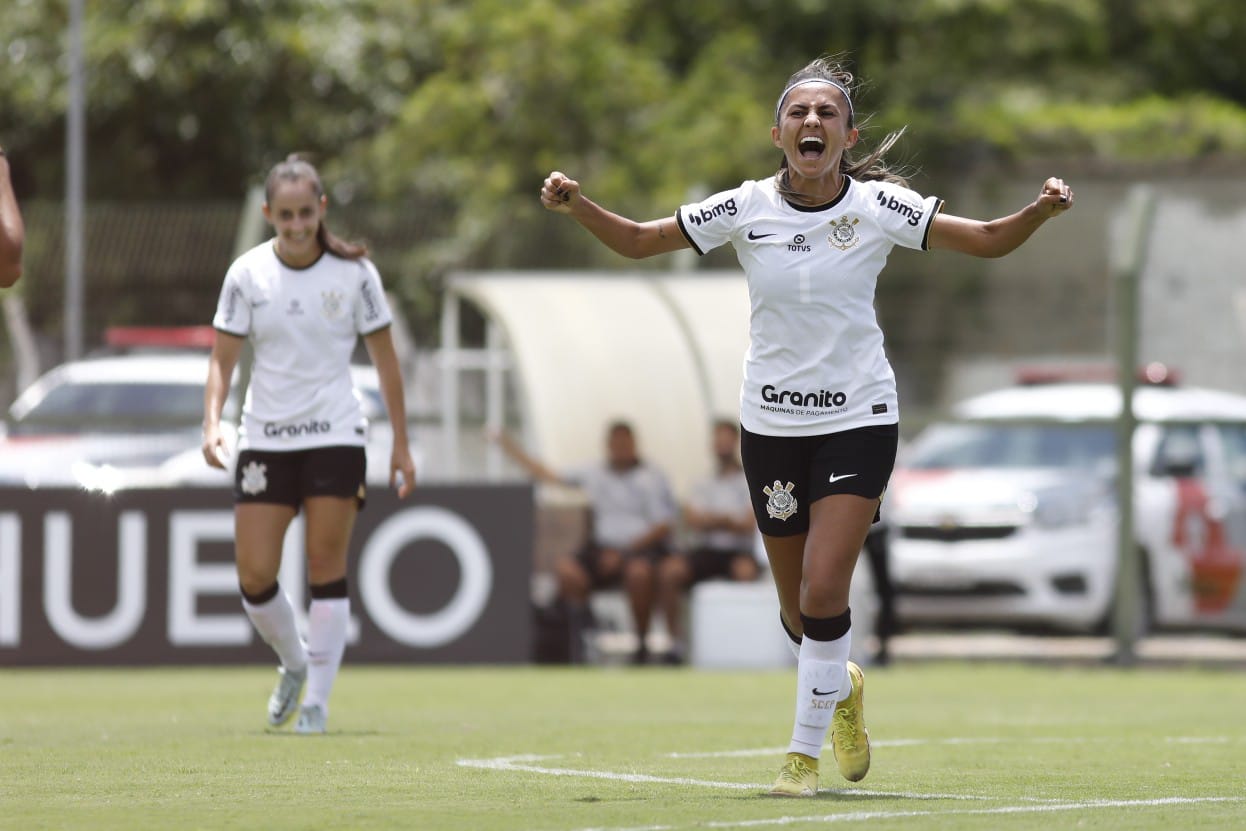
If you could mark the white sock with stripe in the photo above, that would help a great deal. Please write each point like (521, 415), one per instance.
(821, 682)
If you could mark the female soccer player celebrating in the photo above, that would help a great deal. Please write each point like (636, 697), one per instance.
(819, 408)
(303, 298)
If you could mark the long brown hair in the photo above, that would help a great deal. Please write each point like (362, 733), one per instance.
(873, 166)
(295, 168)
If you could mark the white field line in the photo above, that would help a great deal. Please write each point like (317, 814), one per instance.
(523, 764)
(858, 816)
(771, 751)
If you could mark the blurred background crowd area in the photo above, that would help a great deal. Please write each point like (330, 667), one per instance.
(434, 123)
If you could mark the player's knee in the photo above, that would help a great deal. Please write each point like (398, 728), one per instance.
(256, 583)
(324, 566)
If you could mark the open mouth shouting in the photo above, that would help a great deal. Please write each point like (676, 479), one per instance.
(811, 147)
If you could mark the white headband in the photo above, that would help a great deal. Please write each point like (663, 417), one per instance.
(847, 96)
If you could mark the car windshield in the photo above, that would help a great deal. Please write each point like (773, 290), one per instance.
(1012, 446)
(112, 407)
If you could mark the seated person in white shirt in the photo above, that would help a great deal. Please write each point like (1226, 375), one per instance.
(722, 532)
(633, 513)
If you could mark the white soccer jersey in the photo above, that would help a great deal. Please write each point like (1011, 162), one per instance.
(303, 324)
(815, 362)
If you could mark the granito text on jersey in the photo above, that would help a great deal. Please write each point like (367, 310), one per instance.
(290, 431)
(819, 398)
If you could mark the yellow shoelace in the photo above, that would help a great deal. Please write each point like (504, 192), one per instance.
(795, 770)
(846, 726)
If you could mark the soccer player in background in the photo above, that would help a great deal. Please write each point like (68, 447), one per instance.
(12, 231)
(819, 406)
(303, 299)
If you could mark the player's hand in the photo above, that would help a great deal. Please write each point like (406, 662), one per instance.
(559, 193)
(215, 451)
(1055, 198)
(402, 471)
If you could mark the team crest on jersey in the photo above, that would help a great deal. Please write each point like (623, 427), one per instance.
(332, 304)
(844, 233)
(780, 503)
(255, 479)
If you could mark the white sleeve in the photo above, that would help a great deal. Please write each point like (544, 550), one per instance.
(904, 215)
(233, 310)
(372, 312)
(709, 223)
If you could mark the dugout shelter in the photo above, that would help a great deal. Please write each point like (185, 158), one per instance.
(663, 350)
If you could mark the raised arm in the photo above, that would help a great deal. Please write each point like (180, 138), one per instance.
(12, 230)
(636, 240)
(998, 237)
(535, 468)
(225, 351)
(380, 347)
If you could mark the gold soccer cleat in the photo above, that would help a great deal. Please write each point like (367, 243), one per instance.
(849, 737)
(799, 777)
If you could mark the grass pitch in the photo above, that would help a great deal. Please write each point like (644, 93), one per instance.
(955, 747)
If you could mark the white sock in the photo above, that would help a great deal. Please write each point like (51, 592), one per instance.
(792, 643)
(821, 682)
(274, 621)
(327, 620)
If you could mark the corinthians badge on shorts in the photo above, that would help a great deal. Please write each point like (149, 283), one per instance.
(781, 504)
(844, 233)
(255, 481)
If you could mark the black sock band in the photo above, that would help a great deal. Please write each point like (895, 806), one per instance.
(827, 628)
(792, 635)
(328, 591)
(260, 598)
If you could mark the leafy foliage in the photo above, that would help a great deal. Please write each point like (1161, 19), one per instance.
(446, 115)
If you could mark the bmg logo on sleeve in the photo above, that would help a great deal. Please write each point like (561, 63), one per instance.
(914, 215)
(726, 207)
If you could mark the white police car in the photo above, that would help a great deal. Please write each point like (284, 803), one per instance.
(1006, 514)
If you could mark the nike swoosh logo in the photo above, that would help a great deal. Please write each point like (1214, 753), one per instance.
(751, 235)
(835, 478)
(817, 691)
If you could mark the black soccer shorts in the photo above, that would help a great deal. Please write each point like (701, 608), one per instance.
(786, 473)
(287, 477)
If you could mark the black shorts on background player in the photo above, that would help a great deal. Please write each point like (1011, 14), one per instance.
(786, 473)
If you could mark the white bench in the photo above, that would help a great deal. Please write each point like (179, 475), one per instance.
(736, 625)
